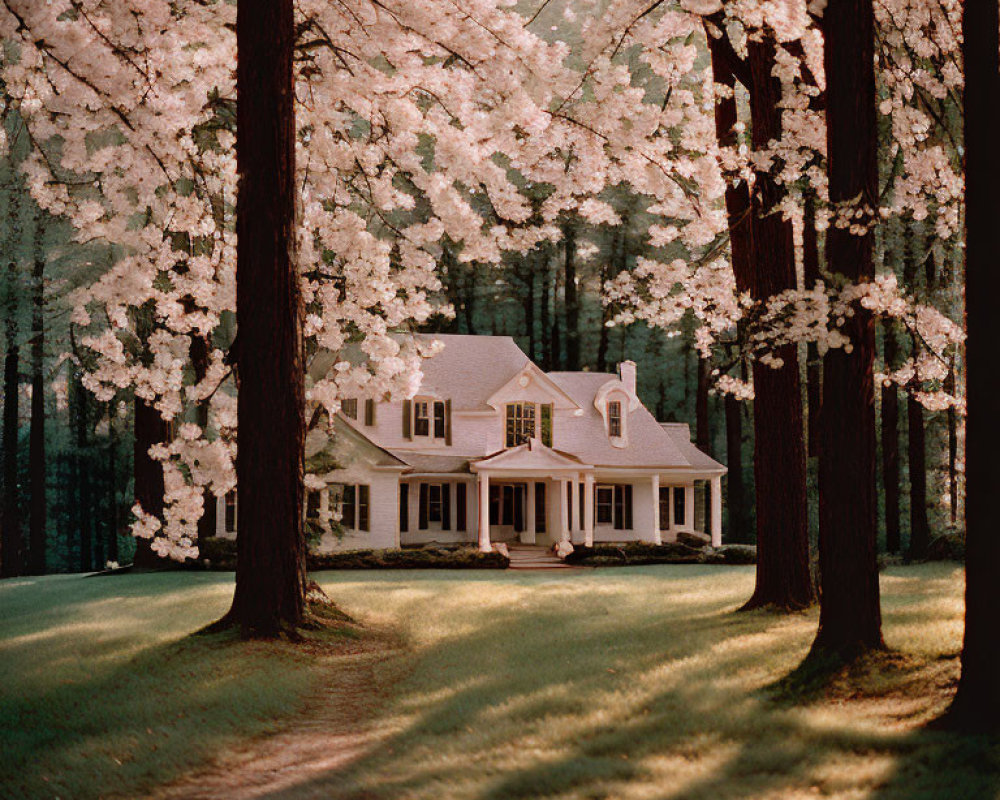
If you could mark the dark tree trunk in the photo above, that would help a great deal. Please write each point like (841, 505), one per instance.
(149, 429)
(814, 368)
(545, 319)
(768, 268)
(270, 562)
(199, 359)
(850, 619)
(735, 502)
(890, 444)
(920, 531)
(977, 702)
(13, 544)
(36, 443)
(572, 298)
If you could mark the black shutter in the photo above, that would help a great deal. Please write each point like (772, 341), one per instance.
(540, 514)
(369, 412)
(407, 417)
(518, 508)
(446, 507)
(547, 424)
(439, 423)
(460, 506)
(422, 510)
(404, 507)
(619, 507)
(494, 504)
(447, 424)
(628, 506)
(679, 509)
(582, 506)
(664, 508)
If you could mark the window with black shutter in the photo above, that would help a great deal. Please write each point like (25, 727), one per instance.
(605, 505)
(520, 423)
(460, 506)
(350, 407)
(679, 509)
(664, 508)
(540, 508)
(404, 507)
(439, 426)
(434, 502)
(364, 499)
(348, 514)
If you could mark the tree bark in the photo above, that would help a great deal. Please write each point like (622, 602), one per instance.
(764, 265)
(270, 562)
(572, 298)
(149, 429)
(977, 703)
(38, 511)
(12, 542)
(850, 619)
(920, 531)
(890, 443)
(545, 319)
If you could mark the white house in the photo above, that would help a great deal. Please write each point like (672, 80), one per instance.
(492, 449)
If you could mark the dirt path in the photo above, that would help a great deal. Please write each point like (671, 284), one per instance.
(335, 729)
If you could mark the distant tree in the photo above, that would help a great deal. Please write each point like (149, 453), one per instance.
(977, 702)
(38, 512)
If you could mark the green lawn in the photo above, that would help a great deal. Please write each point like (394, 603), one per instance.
(616, 683)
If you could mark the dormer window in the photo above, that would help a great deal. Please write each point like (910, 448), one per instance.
(614, 419)
(421, 418)
(520, 423)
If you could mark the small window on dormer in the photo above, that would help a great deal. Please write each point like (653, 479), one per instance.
(520, 423)
(421, 418)
(350, 407)
(614, 418)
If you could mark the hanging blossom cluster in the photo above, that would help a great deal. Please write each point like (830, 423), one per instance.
(418, 122)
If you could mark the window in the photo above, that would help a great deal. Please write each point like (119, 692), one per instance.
(363, 507)
(439, 426)
(350, 407)
(351, 504)
(231, 511)
(664, 508)
(434, 502)
(679, 506)
(520, 423)
(312, 505)
(614, 418)
(421, 420)
(605, 501)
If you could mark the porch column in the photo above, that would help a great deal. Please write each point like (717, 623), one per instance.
(484, 513)
(588, 510)
(689, 507)
(716, 485)
(563, 510)
(529, 523)
(657, 537)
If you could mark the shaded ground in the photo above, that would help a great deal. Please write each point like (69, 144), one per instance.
(626, 683)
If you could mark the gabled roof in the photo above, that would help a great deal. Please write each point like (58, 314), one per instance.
(531, 456)
(523, 378)
(347, 443)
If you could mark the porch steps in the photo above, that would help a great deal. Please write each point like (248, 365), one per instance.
(527, 556)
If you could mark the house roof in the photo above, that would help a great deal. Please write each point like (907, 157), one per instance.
(680, 432)
(434, 463)
(531, 456)
(470, 369)
(347, 443)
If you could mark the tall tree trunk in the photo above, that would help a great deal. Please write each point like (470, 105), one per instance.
(766, 268)
(270, 561)
(572, 298)
(556, 345)
(890, 443)
(814, 369)
(36, 444)
(12, 543)
(545, 318)
(735, 502)
(920, 531)
(703, 433)
(149, 429)
(977, 703)
(850, 619)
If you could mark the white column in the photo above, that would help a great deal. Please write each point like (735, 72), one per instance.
(588, 510)
(529, 523)
(657, 537)
(689, 507)
(484, 513)
(716, 485)
(563, 510)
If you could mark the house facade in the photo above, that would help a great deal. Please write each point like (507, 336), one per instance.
(492, 449)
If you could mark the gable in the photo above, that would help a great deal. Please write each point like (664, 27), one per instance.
(530, 384)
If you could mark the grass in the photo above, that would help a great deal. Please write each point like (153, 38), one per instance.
(632, 683)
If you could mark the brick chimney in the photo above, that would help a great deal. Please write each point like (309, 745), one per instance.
(626, 372)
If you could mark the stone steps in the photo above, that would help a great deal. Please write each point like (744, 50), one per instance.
(535, 557)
